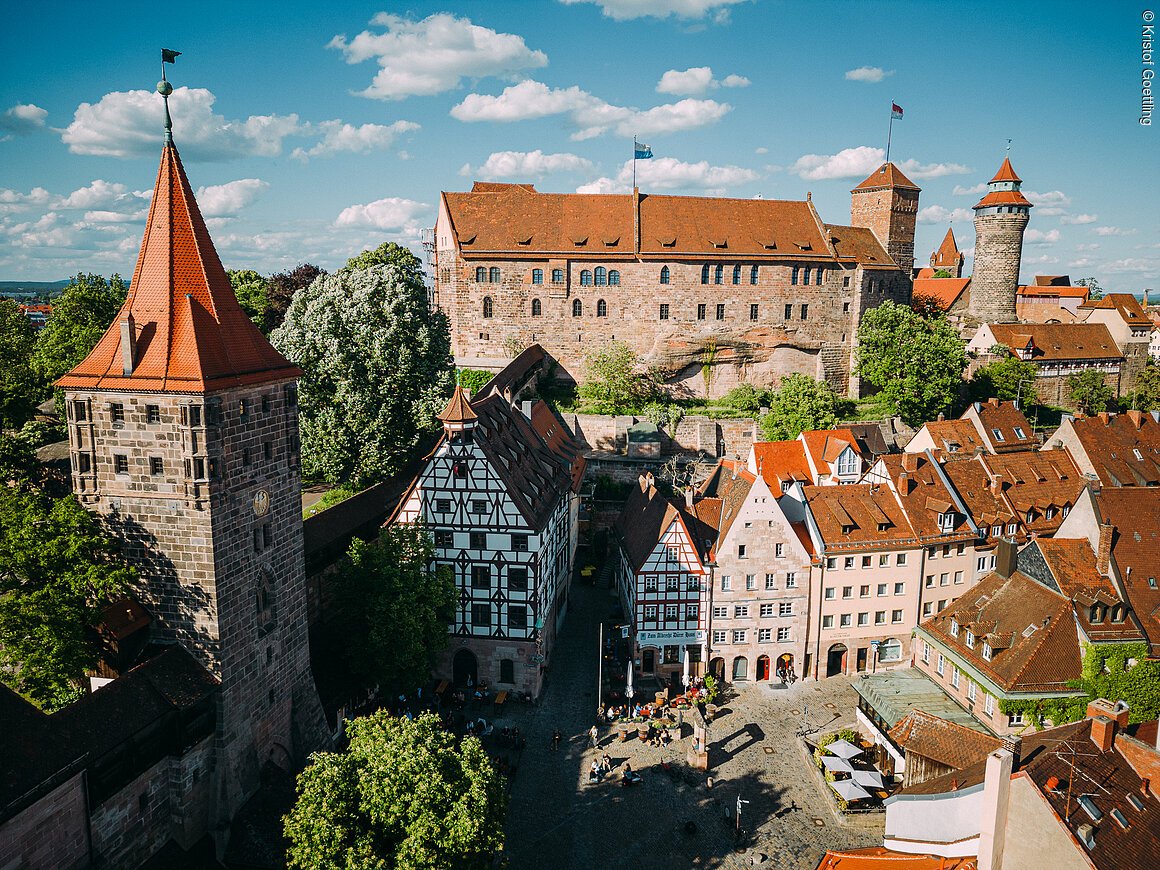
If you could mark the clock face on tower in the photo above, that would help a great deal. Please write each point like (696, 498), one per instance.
(261, 503)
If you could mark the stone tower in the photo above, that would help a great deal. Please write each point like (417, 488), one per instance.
(1001, 216)
(886, 203)
(183, 429)
(948, 257)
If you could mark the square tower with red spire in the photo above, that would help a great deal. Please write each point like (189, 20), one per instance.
(183, 431)
(886, 203)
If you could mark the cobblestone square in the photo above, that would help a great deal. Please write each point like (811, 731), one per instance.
(558, 819)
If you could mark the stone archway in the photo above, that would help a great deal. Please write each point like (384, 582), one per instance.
(464, 666)
(785, 664)
(836, 660)
(740, 669)
(717, 669)
(763, 667)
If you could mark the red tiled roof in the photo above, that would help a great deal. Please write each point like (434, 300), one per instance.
(946, 742)
(1135, 513)
(1110, 442)
(972, 482)
(1006, 172)
(191, 334)
(880, 858)
(886, 175)
(729, 482)
(859, 245)
(1125, 303)
(1003, 197)
(954, 436)
(924, 497)
(861, 509)
(947, 256)
(1036, 481)
(825, 445)
(944, 292)
(1058, 341)
(1005, 417)
(560, 441)
(458, 409)
(781, 461)
(1052, 290)
(1072, 564)
(643, 519)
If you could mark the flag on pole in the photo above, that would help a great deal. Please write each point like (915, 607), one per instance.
(895, 110)
(641, 151)
(168, 55)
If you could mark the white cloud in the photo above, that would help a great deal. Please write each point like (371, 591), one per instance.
(761, 150)
(848, 163)
(1052, 202)
(1081, 263)
(1091, 246)
(591, 115)
(421, 58)
(391, 213)
(225, 200)
(14, 200)
(1039, 237)
(969, 191)
(868, 74)
(1041, 260)
(932, 170)
(1131, 264)
(339, 137)
(114, 217)
(101, 194)
(1073, 219)
(1114, 231)
(623, 10)
(936, 214)
(525, 164)
(21, 119)
(697, 80)
(130, 124)
(668, 173)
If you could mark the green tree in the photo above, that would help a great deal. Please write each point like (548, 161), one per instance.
(20, 387)
(1007, 379)
(613, 382)
(1089, 392)
(799, 405)
(60, 566)
(378, 369)
(1146, 395)
(252, 292)
(18, 464)
(474, 380)
(79, 318)
(395, 607)
(916, 360)
(403, 796)
(746, 397)
(388, 254)
(1095, 289)
(280, 289)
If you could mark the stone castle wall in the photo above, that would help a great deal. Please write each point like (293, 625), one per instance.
(891, 214)
(995, 279)
(735, 348)
(63, 812)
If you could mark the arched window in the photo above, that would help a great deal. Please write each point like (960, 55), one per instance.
(664, 274)
(586, 278)
(487, 306)
(705, 274)
(493, 274)
(480, 274)
(601, 276)
(537, 276)
(793, 276)
(740, 668)
(753, 275)
(601, 308)
(806, 276)
(719, 274)
(557, 276)
(577, 307)
(613, 278)
(737, 274)
(890, 650)
(536, 308)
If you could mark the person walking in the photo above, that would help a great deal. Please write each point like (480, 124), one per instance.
(556, 740)
(594, 736)
(607, 763)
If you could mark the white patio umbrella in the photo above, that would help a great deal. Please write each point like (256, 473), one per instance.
(843, 749)
(685, 677)
(848, 790)
(868, 778)
(628, 682)
(837, 765)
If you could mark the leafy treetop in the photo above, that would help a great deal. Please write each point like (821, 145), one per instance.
(1089, 391)
(19, 384)
(80, 317)
(799, 405)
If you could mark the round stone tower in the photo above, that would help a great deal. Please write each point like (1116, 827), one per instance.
(1001, 216)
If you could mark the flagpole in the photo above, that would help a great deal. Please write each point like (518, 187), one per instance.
(634, 161)
(889, 131)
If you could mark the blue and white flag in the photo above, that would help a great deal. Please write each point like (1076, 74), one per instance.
(641, 151)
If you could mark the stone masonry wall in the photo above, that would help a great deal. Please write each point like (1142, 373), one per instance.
(694, 434)
(737, 347)
(995, 280)
(63, 812)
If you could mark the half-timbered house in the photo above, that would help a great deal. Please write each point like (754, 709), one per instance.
(498, 499)
(663, 577)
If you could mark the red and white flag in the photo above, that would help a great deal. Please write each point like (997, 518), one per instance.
(895, 110)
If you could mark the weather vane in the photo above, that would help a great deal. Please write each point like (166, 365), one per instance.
(165, 89)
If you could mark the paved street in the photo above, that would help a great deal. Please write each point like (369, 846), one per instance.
(557, 819)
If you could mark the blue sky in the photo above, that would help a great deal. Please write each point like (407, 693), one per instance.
(313, 131)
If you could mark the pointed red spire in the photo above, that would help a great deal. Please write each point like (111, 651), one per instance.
(886, 175)
(948, 251)
(1006, 172)
(186, 331)
(458, 410)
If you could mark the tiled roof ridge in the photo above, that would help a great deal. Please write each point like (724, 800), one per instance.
(1037, 645)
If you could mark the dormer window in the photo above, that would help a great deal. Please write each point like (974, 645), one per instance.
(1049, 513)
(847, 463)
(1139, 456)
(1118, 613)
(1029, 517)
(1096, 614)
(1011, 527)
(847, 528)
(970, 639)
(998, 433)
(996, 531)
(946, 521)
(954, 627)
(882, 527)
(1019, 433)
(987, 652)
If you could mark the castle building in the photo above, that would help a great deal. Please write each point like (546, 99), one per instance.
(948, 257)
(500, 495)
(183, 430)
(1001, 216)
(713, 291)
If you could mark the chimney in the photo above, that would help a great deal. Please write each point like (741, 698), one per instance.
(526, 407)
(996, 799)
(649, 480)
(910, 462)
(1104, 552)
(1105, 417)
(1013, 743)
(1117, 712)
(993, 402)
(996, 485)
(1005, 557)
(689, 498)
(1137, 418)
(1103, 733)
(941, 416)
(128, 344)
(904, 483)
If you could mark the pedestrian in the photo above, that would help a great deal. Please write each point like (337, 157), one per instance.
(556, 740)
(607, 763)
(594, 735)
